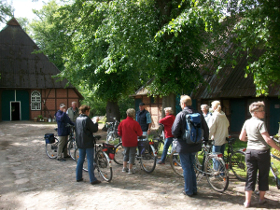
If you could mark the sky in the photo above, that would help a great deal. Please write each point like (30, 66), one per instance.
(23, 8)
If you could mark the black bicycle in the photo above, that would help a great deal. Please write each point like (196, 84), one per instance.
(146, 154)
(235, 160)
(102, 162)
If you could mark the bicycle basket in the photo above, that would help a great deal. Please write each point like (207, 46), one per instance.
(109, 149)
(49, 137)
(142, 146)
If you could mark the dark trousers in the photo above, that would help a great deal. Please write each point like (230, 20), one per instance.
(257, 160)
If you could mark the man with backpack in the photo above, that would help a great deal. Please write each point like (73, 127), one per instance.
(189, 128)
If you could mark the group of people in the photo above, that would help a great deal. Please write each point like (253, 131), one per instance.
(215, 125)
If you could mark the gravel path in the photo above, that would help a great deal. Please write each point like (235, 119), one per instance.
(30, 180)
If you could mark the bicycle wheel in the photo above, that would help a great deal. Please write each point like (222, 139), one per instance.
(119, 153)
(71, 147)
(216, 176)
(176, 163)
(76, 155)
(238, 165)
(51, 149)
(104, 165)
(148, 159)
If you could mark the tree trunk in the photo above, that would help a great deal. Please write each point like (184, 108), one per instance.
(112, 110)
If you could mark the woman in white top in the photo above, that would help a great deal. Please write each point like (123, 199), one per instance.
(257, 153)
(218, 128)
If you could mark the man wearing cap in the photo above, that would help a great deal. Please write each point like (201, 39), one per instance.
(143, 117)
(62, 120)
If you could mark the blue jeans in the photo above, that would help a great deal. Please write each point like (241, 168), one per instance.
(167, 144)
(79, 170)
(187, 161)
(220, 149)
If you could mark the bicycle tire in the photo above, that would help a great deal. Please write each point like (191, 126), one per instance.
(176, 163)
(51, 149)
(71, 147)
(119, 153)
(238, 165)
(104, 165)
(148, 159)
(217, 178)
(85, 165)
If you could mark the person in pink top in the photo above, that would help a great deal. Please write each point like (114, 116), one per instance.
(167, 121)
(129, 129)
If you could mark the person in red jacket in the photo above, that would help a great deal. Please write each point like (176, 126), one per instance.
(167, 121)
(129, 129)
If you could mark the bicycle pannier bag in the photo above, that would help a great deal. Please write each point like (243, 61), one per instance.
(49, 137)
(193, 132)
(109, 149)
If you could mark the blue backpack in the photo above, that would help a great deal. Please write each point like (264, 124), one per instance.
(193, 132)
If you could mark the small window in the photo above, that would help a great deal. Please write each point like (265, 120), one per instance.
(35, 100)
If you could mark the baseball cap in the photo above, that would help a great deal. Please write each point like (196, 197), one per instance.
(141, 104)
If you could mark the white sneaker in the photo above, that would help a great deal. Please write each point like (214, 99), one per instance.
(125, 170)
(131, 171)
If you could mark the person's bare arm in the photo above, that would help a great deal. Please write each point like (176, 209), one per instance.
(269, 141)
(243, 135)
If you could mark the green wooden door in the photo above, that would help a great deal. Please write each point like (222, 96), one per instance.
(238, 114)
(274, 117)
(9, 96)
(23, 97)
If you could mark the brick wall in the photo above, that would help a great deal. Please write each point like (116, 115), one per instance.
(51, 99)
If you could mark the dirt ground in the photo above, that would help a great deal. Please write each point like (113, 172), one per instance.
(30, 180)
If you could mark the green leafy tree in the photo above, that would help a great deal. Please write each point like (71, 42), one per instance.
(48, 34)
(6, 11)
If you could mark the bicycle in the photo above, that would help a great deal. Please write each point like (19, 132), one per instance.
(112, 132)
(102, 162)
(71, 142)
(212, 166)
(235, 160)
(51, 144)
(147, 155)
(273, 167)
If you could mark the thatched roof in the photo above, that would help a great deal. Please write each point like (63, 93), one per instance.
(19, 66)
